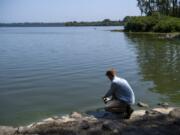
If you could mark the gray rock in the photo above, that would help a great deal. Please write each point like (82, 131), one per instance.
(76, 115)
(151, 112)
(5, 130)
(21, 129)
(84, 125)
(164, 104)
(95, 131)
(108, 126)
(141, 104)
(175, 113)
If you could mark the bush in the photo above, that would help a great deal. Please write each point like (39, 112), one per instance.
(169, 24)
(140, 24)
(153, 23)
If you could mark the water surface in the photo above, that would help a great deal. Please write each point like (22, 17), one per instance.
(54, 71)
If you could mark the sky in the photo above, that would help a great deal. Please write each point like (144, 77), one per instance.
(65, 10)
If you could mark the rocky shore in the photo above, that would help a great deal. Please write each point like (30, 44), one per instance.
(158, 121)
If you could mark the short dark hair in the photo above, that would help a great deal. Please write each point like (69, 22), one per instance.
(111, 72)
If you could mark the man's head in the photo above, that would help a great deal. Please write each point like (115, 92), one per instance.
(111, 73)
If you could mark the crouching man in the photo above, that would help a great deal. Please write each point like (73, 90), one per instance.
(121, 95)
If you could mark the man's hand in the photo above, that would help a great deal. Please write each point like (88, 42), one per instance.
(104, 100)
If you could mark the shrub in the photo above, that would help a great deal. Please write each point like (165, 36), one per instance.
(169, 24)
(153, 23)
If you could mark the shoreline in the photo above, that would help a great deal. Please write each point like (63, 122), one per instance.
(157, 120)
(168, 35)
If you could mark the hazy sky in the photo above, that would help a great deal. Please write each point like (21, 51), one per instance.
(65, 10)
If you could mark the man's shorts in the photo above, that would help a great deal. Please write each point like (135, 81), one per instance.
(117, 106)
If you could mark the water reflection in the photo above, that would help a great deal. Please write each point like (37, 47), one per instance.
(159, 61)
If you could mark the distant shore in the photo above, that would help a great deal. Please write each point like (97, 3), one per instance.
(105, 22)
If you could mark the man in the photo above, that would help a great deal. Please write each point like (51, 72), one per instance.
(121, 93)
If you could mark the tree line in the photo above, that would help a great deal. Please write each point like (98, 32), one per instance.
(165, 7)
(105, 22)
(31, 24)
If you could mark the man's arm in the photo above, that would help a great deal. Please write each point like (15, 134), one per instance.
(111, 91)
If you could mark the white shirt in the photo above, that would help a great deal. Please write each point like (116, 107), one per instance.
(121, 90)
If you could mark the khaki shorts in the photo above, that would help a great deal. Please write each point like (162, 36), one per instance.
(117, 106)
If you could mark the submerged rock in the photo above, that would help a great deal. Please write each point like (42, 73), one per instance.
(164, 104)
(141, 104)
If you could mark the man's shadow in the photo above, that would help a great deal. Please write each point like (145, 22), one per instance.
(101, 113)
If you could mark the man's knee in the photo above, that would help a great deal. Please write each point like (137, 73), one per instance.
(108, 109)
(115, 109)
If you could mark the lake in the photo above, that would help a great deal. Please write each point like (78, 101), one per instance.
(47, 71)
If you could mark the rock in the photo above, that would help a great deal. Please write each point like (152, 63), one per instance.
(138, 113)
(20, 129)
(165, 104)
(5, 130)
(31, 125)
(141, 104)
(76, 115)
(95, 131)
(163, 110)
(115, 131)
(48, 120)
(175, 113)
(151, 114)
(153, 121)
(90, 118)
(55, 117)
(84, 125)
(108, 125)
(24, 130)
(67, 119)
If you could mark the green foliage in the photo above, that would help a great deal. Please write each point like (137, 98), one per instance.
(141, 24)
(126, 18)
(168, 24)
(33, 24)
(165, 7)
(154, 23)
(105, 22)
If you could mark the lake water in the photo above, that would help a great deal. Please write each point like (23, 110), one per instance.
(57, 70)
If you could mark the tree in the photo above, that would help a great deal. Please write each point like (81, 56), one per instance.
(165, 7)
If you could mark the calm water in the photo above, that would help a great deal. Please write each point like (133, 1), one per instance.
(54, 71)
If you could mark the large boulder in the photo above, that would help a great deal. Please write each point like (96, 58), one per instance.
(5, 130)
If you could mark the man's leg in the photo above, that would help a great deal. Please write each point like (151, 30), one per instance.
(129, 112)
(116, 106)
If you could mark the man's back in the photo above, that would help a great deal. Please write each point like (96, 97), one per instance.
(122, 90)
